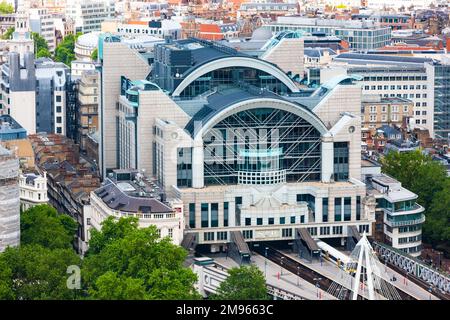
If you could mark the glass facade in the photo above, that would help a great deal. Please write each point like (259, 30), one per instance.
(262, 129)
(214, 214)
(337, 209)
(442, 101)
(204, 215)
(340, 161)
(226, 77)
(347, 208)
(225, 214)
(325, 209)
(192, 215)
(184, 167)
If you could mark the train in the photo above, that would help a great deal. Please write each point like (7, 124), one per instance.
(343, 261)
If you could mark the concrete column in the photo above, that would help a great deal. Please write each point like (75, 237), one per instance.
(353, 208)
(197, 165)
(327, 158)
(319, 214)
(330, 208)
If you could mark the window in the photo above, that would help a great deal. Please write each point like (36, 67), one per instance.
(225, 214)
(58, 98)
(214, 214)
(337, 230)
(88, 221)
(58, 109)
(286, 233)
(347, 208)
(293, 219)
(358, 208)
(222, 235)
(204, 215)
(59, 130)
(271, 220)
(324, 231)
(248, 221)
(259, 221)
(337, 209)
(208, 236)
(192, 215)
(282, 220)
(170, 233)
(58, 119)
(325, 209)
(341, 157)
(248, 234)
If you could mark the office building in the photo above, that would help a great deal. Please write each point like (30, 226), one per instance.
(33, 189)
(88, 15)
(360, 35)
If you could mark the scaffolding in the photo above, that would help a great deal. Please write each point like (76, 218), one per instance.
(9, 200)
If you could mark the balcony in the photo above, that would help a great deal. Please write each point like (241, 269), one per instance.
(402, 223)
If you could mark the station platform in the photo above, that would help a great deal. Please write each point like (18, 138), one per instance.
(287, 281)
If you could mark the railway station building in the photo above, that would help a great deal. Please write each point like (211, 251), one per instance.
(250, 155)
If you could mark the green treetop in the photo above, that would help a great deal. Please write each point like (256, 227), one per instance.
(6, 8)
(127, 262)
(243, 283)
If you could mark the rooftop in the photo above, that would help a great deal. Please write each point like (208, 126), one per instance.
(380, 59)
(131, 191)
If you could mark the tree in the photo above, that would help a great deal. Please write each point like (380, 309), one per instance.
(43, 225)
(6, 283)
(64, 52)
(417, 172)
(40, 44)
(6, 8)
(43, 53)
(34, 272)
(94, 54)
(243, 283)
(143, 265)
(428, 179)
(437, 227)
(8, 34)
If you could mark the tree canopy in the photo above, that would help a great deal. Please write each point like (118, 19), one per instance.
(40, 46)
(428, 179)
(7, 35)
(6, 8)
(65, 51)
(43, 225)
(243, 283)
(94, 54)
(140, 263)
(37, 269)
(123, 262)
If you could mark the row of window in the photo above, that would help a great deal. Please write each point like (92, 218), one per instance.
(410, 239)
(285, 232)
(394, 108)
(397, 87)
(399, 78)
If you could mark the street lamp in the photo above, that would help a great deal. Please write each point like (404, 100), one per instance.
(298, 275)
(317, 285)
(281, 264)
(265, 263)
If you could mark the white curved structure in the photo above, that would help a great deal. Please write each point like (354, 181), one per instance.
(247, 62)
(198, 156)
(262, 103)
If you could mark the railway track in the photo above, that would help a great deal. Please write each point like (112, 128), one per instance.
(308, 274)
